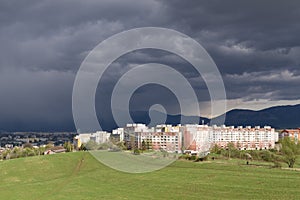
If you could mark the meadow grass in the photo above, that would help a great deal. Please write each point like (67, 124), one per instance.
(80, 176)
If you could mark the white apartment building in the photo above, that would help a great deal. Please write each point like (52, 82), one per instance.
(244, 138)
(194, 137)
(161, 137)
(167, 138)
(120, 132)
(99, 137)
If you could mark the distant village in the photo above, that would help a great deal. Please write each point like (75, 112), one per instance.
(192, 138)
(23, 144)
(35, 138)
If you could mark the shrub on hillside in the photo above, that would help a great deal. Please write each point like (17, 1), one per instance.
(91, 145)
(267, 156)
(216, 149)
(193, 157)
(184, 157)
(290, 150)
(277, 164)
(202, 159)
(255, 154)
(136, 152)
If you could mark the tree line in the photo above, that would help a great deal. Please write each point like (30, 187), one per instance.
(28, 150)
(288, 152)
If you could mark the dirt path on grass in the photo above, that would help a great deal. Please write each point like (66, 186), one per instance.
(61, 185)
(292, 169)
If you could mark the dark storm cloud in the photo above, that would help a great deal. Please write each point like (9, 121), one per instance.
(36, 100)
(56, 35)
(255, 44)
(244, 35)
(273, 85)
(257, 38)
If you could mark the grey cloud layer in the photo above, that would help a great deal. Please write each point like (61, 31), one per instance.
(255, 44)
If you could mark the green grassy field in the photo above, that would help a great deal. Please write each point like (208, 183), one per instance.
(80, 176)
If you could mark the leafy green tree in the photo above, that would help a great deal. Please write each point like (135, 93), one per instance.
(132, 142)
(16, 152)
(68, 146)
(216, 149)
(82, 148)
(121, 145)
(105, 146)
(267, 156)
(290, 150)
(6, 154)
(144, 145)
(28, 152)
(91, 145)
(136, 152)
(36, 151)
(230, 148)
(50, 145)
(238, 146)
(40, 150)
(148, 144)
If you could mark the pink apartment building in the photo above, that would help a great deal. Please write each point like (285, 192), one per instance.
(198, 138)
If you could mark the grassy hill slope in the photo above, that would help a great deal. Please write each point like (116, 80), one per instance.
(80, 176)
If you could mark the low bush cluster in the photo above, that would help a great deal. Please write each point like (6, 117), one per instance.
(18, 152)
(272, 155)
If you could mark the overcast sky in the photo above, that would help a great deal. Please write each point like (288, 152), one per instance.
(255, 44)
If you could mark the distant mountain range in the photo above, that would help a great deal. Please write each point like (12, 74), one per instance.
(279, 117)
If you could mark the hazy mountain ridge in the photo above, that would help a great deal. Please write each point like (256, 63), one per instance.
(279, 117)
